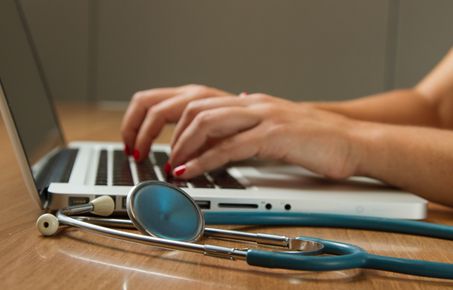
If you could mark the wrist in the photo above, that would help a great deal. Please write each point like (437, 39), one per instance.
(332, 106)
(368, 144)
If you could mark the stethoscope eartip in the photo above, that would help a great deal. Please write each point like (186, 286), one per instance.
(47, 224)
(103, 205)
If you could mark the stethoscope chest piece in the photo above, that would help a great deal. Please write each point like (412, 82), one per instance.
(164, 211)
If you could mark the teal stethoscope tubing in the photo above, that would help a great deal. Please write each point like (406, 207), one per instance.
(330, 220)
(346, 256)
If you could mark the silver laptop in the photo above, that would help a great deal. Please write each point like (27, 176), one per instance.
(58, 174)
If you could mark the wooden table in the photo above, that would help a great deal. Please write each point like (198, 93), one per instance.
(80, 260)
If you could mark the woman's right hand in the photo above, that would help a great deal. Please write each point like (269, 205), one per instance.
(150, 110)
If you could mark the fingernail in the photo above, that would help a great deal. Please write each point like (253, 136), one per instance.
(167, 168)
(179, 170)
(243, 94)
(136, 154)
(127, 150)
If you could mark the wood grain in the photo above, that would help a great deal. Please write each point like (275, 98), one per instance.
(80, 260)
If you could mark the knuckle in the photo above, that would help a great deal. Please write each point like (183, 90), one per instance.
(191, 85)
(195, 88)
(152, 116)
(261, 98)
(266, 109)
(138, 97)
(154, 112)
(193, 108)
(203, 119)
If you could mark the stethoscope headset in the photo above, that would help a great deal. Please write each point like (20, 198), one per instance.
(169, 218)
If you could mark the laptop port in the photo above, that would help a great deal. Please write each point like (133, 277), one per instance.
(238, 205)
(123, 202)
(268, 206)
(78, 200)
(203, 204)
(287, 206)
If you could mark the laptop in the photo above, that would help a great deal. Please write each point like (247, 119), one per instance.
(59, 174)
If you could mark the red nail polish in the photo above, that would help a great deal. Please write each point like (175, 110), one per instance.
(179, 170)
(167, 168)
(136, 154)
(244, 93)
(127, 150)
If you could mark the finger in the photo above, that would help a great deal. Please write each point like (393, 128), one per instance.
(215, 123)
(238, 147)
(165, 112)
(137, 109)
(195, 107)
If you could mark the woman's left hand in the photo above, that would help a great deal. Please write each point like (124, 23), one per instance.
(213, 132)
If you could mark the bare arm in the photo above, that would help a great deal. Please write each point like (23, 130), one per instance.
(429, 103)
(416, 159)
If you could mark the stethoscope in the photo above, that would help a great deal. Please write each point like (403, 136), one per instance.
(169, 218)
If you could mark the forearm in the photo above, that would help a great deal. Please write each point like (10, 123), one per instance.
(429, 103)
(404, 107)
(416, 159)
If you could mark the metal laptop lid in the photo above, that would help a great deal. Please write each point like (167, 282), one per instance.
(25, 98)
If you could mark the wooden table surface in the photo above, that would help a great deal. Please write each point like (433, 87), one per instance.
(81, 260)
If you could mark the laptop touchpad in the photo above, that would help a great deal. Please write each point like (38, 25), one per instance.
(283, 176)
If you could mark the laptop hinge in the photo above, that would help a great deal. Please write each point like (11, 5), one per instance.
(45, 197)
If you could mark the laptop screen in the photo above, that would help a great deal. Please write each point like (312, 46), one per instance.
(24, 86)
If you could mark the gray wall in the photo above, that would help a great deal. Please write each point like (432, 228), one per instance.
(299, 49)
(61, 32)
(425, 34)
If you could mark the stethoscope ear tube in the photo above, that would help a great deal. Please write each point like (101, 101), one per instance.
(346, 257)
(409, 266)
(331, 220)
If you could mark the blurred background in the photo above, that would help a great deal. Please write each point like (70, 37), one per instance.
(105, 50)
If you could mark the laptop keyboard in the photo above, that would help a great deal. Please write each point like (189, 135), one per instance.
(58, 168)
(70, 157)
(122, 174)
(101, 176)
(146, 170)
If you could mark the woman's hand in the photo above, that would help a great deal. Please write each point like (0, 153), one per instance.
(150, 110)
(215, 131)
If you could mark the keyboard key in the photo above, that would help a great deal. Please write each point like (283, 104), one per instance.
(161, 159)
(176, 182)
(57, 168)
(201, 182)
(121, 169)
(223, 179)
(145, 170)
(101, 176)
(69, 155)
